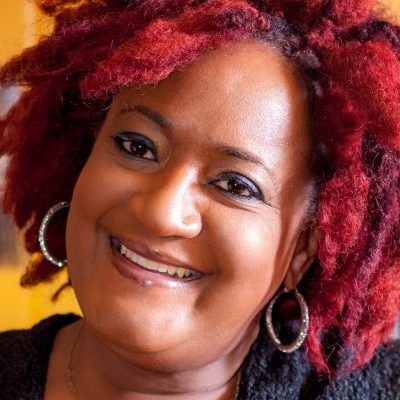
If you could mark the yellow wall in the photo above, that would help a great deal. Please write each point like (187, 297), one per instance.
(21, 26)
(20, 308)
(394, 5)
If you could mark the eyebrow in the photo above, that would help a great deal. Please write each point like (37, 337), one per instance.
(148, 113)
(244, 155)
(222, 148)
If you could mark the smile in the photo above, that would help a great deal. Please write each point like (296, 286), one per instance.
(155, 266)
(152, 270)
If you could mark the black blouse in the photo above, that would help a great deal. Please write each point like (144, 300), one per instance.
(267, 373)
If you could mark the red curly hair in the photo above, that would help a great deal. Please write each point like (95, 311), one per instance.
(348, 56)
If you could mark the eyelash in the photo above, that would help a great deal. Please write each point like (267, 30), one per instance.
(254, 191)
(127, 137)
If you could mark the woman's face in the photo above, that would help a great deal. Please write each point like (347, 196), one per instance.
(207, 171)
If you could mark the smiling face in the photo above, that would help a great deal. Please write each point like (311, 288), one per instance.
(206, 171)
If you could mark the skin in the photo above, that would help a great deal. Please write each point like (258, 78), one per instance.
(146, 342)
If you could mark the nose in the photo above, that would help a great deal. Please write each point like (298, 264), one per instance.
(166, 204)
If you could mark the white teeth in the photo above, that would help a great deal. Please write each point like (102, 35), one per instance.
(181, 272)
(187, 273)
(154, 266)
(172, 270)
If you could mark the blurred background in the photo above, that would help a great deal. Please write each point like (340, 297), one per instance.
(21, 26)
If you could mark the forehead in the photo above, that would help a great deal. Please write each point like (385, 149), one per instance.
(246, 84)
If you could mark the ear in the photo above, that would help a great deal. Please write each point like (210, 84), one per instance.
(303, 256)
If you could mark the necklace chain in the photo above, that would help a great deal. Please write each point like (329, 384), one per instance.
(71, 377)
(70, 372)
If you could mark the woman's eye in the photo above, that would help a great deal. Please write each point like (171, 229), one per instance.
(136, 145)
(238, 186)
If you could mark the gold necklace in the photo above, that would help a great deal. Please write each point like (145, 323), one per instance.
(70, 372)
(71, 377)
(238, 385)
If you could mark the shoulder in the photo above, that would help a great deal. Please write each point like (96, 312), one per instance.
(378, 379)
(24, 356)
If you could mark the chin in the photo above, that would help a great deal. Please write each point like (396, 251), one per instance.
(145, 343)
(133, 326)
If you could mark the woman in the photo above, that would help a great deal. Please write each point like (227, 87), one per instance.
(230, 171)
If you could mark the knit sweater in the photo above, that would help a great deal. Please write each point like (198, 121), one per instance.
(267, 374)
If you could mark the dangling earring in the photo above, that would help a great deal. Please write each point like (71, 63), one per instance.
(43, 230)
(304, 323)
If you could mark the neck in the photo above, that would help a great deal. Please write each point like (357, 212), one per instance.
(101, 371)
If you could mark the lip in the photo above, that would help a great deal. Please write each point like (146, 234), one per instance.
(145, 252)
(145, 277)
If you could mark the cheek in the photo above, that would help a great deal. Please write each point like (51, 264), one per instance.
(101, 187)
(245, 249)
